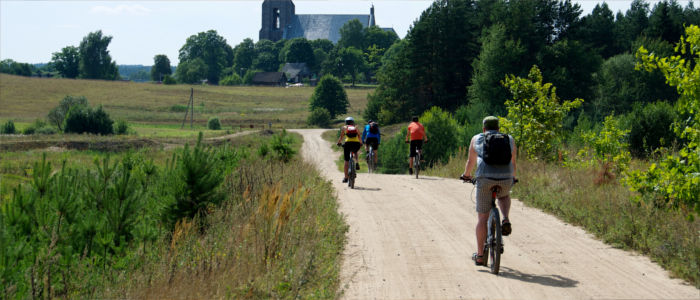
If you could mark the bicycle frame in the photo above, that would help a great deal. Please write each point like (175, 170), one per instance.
(352, 173)
(416, 161)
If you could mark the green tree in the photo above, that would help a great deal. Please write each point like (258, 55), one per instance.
(161, 67)
(351, 62)
(211, 49)
(391, 100)
(244, 55)
(67, 62)
(499, 56)
(352, 35)
(608, 147)
(666, 21)
(298, 50)
(95, 61)
(630, 26)
(674, 181)
(192, 71)
(570, 67)
(597, 30)
(649, 127)
(329, 94)
(320, 117)
(535, 115)
(9, 66)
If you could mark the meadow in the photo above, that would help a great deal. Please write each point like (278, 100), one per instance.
(24, 99)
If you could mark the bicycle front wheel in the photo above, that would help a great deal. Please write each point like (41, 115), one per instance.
(496, 242)
(416, 163)
(352, 174)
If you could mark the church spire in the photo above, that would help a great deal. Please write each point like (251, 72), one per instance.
(371, 16)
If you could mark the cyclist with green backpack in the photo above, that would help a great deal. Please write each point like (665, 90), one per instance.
(494, 155)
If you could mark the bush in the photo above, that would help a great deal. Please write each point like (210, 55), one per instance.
(441, 130)
(394, 156)
(57, 115)
(121, 127)
(282, 145)
(650, 127)
(8, 128)
(232, 79)
(83, 119)
(46, 130)
(214, 123)
(31, 129)
(329, 94)
(169, 80)
(319, 117)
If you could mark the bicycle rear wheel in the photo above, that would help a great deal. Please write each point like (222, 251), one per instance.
(370, 160)
(416, 164)
(352, 174)
(495, 242)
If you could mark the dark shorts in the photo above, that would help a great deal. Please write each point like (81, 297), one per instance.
(415, 144)
(350, 147)
(372, 141)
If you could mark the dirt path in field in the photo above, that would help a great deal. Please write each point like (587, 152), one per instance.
(413, 239)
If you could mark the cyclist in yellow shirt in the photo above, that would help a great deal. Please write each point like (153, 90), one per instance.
(351, 136)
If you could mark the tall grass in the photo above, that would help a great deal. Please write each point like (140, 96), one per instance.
(278, 236)
(604, 210)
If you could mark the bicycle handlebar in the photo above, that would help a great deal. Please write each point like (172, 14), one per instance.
(473, 180)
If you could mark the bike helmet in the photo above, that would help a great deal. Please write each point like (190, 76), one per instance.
(370, 121)
(349, 120)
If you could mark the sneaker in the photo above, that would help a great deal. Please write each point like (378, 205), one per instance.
(410, 171)
(357, 166)
(506, 228)
(345, 180)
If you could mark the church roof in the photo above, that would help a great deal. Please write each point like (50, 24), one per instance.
(314, 27)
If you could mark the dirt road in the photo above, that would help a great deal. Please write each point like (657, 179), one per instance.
(413, 239)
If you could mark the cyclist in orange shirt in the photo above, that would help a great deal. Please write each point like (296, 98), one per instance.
(416, 136)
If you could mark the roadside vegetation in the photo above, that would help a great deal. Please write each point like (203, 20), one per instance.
(203, 221)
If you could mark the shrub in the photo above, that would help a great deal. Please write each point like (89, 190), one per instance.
(232, 79)
(319, 117)
(394, 156)
(329, 94)
(121, 127)
(8, 128)
(214, 123)
(31, 129)
(650, 127)
(199, 178)
(46, 130)
(608, 148)
(57, 115)
(441, 130)
(169, 80)
(83, 119)
(282, 145)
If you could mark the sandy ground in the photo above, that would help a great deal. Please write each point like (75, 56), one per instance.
(413, 239)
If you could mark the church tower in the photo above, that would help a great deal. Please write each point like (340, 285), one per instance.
(276, 15)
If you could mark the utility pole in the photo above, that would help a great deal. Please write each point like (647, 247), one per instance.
(187, 111)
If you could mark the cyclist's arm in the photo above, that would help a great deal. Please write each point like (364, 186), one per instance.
(379, 136)
(408, 134)
(364, 133)
(471, 160)
(514, 152)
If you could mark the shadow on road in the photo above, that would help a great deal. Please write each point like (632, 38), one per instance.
(549, 280)
(367, 189)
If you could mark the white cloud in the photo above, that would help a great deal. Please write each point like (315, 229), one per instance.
(132, 10)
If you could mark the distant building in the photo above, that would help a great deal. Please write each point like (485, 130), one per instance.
(296, 72)
(270, 79)
(280, 21)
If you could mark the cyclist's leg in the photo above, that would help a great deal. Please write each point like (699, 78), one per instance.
(504, 196)
(481, 232)
(346, 157)
(504, 205)
(412, 154)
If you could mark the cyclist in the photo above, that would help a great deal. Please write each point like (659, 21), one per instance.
(416, 136)
(487, 176)
(371, 136)
(351, 136)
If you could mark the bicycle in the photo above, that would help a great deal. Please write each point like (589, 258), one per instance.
(416, 161)
(352, 173)
(370, 160)
(493, 246)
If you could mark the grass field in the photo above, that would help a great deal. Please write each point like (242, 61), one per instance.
(24, 99)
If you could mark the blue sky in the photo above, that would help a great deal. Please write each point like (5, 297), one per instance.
(30, 31)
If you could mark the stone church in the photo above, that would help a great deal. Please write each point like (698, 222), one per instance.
(280, 21)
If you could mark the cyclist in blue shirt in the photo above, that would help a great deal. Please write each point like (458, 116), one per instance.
(371, 136)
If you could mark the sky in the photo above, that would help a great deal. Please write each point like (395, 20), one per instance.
(30, 31)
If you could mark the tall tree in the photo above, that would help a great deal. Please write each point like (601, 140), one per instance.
(95, 61)
(212, 49)
(67, 62)
(631, 25)
(666, 21)
(243, 56)
(298, 50)
(499, 57)
(267, 58)
(597, 30)
(192, 71)
(161, 67)
(352, 35)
